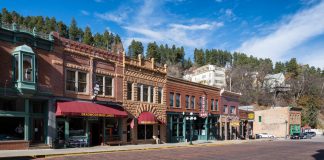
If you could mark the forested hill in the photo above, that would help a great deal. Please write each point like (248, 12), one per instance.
(306, 82)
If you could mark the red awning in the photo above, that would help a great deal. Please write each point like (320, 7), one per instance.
(87, 109)
(147, 118)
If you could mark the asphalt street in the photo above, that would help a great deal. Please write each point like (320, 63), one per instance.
(268, 150)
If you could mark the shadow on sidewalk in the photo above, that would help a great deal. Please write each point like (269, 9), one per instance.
(319, 155)
(19, 158)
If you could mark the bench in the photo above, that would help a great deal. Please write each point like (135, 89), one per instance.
(77, 141)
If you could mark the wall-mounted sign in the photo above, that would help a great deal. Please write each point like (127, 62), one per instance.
(235, 123)
(96, 115)
(251, 116)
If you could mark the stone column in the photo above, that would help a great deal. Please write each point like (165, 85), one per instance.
(124, 130)
(220, 127)
(51, 123)
(225, 128)
(27, 125)
(163, 131)
(134, 132)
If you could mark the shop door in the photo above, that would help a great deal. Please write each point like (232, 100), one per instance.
(128, 133)
(96, 136)
(38, 130)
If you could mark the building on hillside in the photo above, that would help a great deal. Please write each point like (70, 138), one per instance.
(278, 121)
(275, 82)
(209, 75)
(145, 100)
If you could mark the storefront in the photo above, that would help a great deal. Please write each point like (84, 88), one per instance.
(88, 124)
(202, 128)
(23, 122)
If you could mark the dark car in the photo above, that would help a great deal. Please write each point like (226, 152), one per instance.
(305, 136)
(313, 134)
(296, 136)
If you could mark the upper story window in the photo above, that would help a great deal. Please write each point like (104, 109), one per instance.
(212, 104)
(178, 100)
(139, 92)
(76, 81)
(129, 91)
(192, 105)
(171, 99)
(27, 68)
(151, 94)
(232, 110)
(145, 93)
(216, 105)
(187, 101)
(160, 91)
(105, 85)
(200, 103)
(225, 109)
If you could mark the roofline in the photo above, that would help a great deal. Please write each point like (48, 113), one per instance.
(170, 78)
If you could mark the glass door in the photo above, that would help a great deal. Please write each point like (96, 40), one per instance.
(38, 130)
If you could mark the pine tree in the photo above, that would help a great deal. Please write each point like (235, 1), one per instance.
(62, 29)
(73, 30)
(152, 51)
(87, 38)
(135, 48)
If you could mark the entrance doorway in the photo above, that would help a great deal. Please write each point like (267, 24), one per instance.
(38, 130)
(96, 134)
(128, 133)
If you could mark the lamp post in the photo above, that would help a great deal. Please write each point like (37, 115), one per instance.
(191, 118)
(286, 129)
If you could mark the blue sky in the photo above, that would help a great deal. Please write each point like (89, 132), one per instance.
(278, 29)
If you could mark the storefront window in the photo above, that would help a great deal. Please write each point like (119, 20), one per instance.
(16, 105)
(111, 127)
(144, 132)
(77, 127)
(27, 68)
(129, 90)
(38, 106)
(12, 128)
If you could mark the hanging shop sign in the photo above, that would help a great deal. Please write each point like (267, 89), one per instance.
(203, 113)
(235, 123)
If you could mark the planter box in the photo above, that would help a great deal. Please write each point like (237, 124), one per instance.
(14, 145)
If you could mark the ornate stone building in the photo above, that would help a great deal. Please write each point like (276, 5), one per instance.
(144, 98)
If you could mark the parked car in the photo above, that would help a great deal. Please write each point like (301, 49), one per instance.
(264, 135)
(306, 135)
(313, 134)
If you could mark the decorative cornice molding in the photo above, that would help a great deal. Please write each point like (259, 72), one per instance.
(74, 66)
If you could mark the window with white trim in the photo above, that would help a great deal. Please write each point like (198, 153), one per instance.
(106, 85)
(76, 81)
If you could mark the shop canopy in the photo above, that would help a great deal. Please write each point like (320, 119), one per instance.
(147, 118)
(87, 109)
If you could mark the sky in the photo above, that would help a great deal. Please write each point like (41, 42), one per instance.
(276, 29)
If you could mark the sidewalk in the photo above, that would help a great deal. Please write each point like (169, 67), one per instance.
(35, 153)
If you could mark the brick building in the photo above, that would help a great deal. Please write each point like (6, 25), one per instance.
(206, 103)
(144, 98)
(278, 121)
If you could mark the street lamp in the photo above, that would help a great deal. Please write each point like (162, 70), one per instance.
(190, 118)
(286, 129)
